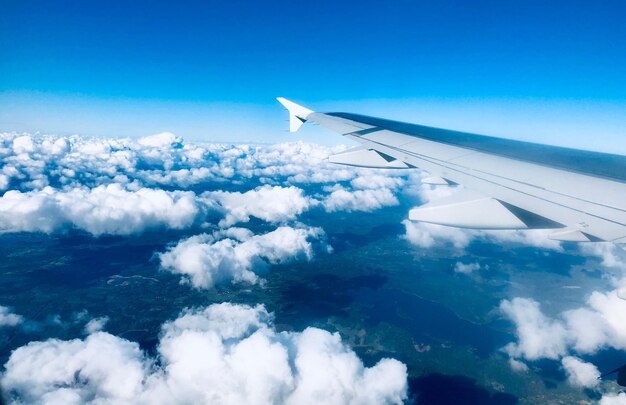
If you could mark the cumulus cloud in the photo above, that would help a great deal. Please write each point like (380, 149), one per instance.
(271, 204)
(613, 399)
(518, 366)
(426, 235)
(54, 181)
(532, 237)
(33, 162)
(8, 318)
(598, 325)
(224, 353)
(580, 373)
(538, 336)
(466, 268)
(162, 140)
(237, 255)
(368, 181)
(359, 200)
(102, 210)
(612, 256)
(96, 325)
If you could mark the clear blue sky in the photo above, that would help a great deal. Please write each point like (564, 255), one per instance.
(212, 69)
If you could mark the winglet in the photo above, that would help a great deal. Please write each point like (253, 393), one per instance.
(297, 113)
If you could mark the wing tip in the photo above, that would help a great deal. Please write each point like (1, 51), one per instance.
(297, 113)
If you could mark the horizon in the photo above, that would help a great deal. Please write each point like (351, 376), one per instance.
(211, 72)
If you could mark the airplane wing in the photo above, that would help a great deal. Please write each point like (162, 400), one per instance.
(508, 184)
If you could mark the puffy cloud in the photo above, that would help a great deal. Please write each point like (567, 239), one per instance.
(600, 324)
(367, 181)
(101, 368)
(532, 237)
(164, 139)
(23, 144)
(518, 366)
(102, 210)
(8, 318)
(271, 204)
(359, 200)
(96, 325)
(33, 162)
(612, 256)
(236, 255)
(224, 353)
(466, 268)
(580, 373)
(585, 330)
(538, 336)
(427, 235)
(613, 399)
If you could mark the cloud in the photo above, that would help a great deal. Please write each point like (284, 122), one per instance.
(102, 367)
(425, 235)
(8, 318)
(359, 200)
(271, 204)
(223, 353)
(612, 256)
(532, 237)
(33, 162)
(96, 325)
(538, 336)
(102, 210)
(579, 373)
(613, 399)
(466, 268)
(585, 330)
(236, 255)
(370, 181)
(164, 139)
(518, 366)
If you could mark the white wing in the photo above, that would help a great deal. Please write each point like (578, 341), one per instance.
(510, 184)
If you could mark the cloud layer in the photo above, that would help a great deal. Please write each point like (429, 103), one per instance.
(225, 353)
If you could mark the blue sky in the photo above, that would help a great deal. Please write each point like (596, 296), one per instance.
(210, 70)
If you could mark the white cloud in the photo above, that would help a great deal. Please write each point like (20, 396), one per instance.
(8, 318)
(426, 235)
(271, 204)
(33, 162)
(585, 330)
(102, 367)
(580, 373)
(225, 353)
(164, 139)
(359, 200)
(368, 181)
(532, 237)
(102, 210)
(613, 399)
(236, 255)
(538, 336)
(518, 366)
(96, 325)
(466, 268)
(23, 144)
(612, 256)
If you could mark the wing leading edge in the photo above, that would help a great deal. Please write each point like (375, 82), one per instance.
(581, 195)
